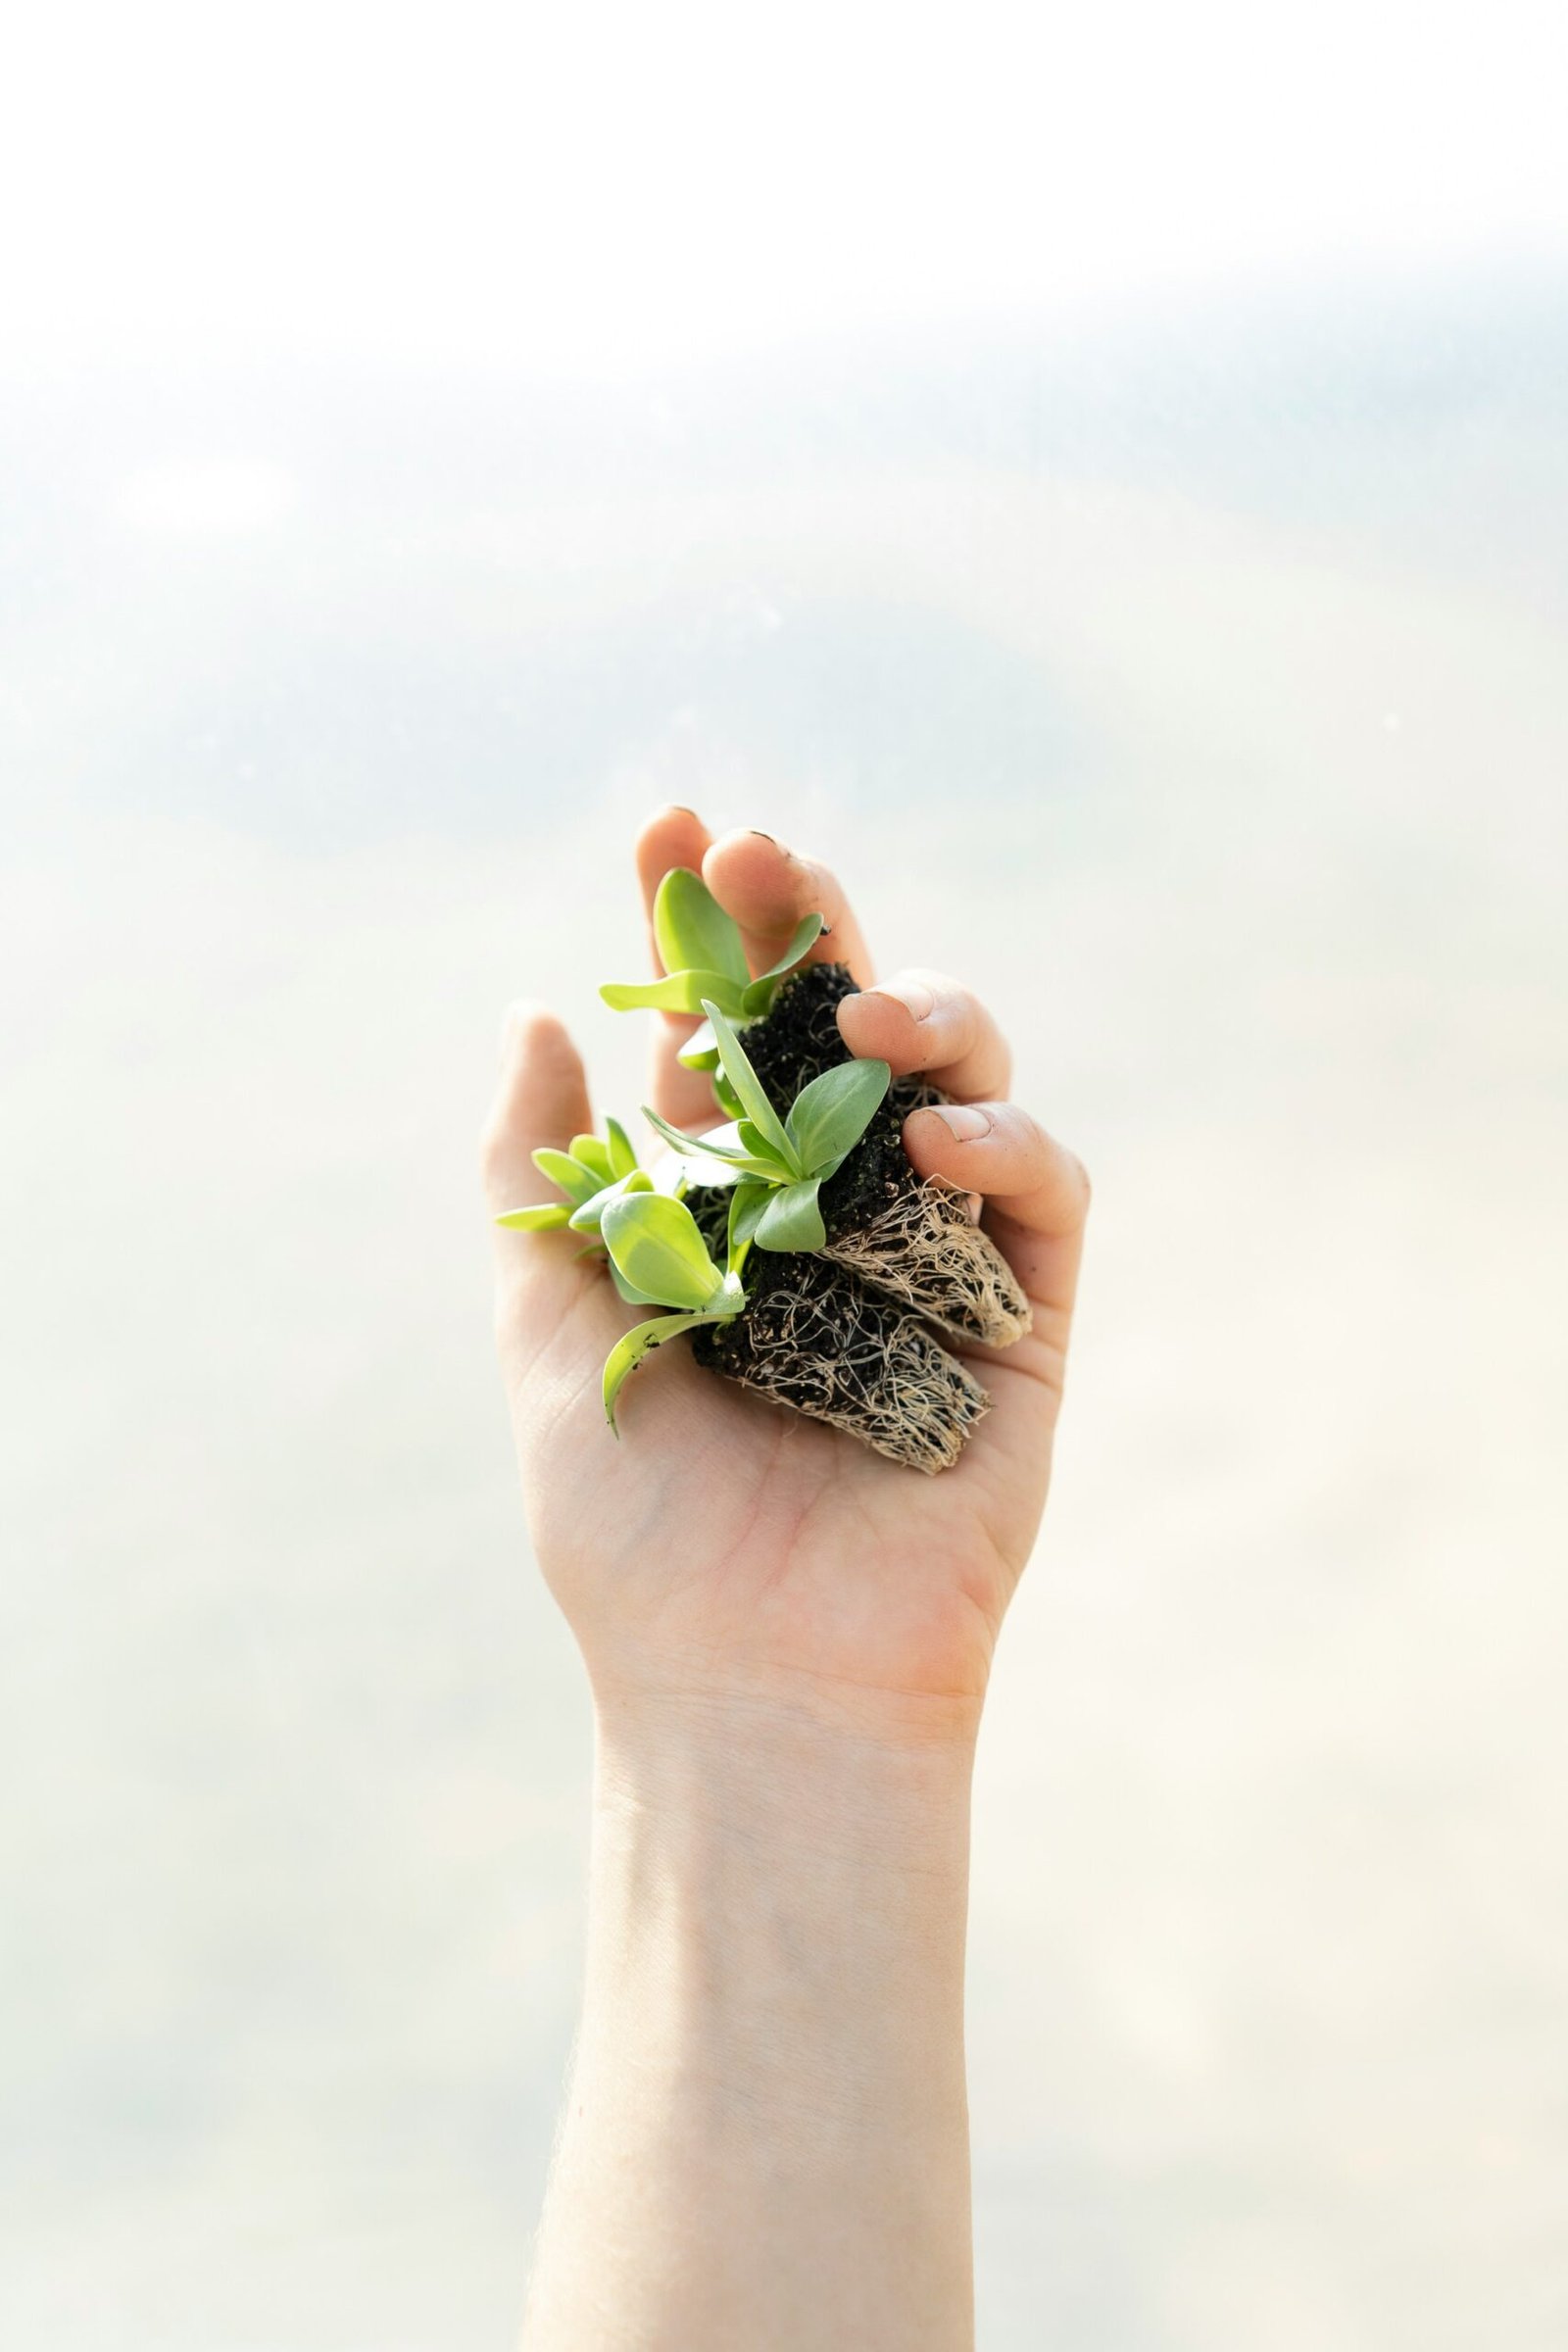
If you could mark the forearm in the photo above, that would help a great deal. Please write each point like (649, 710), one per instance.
(766, 2138)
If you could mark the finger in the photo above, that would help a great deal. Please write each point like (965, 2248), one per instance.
(767, 888)
(921, 1020)
(675, 836)
(541, 1097)
(1036, 1191)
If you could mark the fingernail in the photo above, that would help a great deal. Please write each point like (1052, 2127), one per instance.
(965, 1122)
(914, 994)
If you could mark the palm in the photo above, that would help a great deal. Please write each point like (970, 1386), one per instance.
(725, 1530)
(727, 1545)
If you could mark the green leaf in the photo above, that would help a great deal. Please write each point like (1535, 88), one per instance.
(593, 1154)
(746, 1206)
(629, 1353)
(575, 1180)
(627, 1289)
(710, 1147)
(725, 1093)
(543, 1219)
(755, 1142)
(655, 1242)
(720, 1141)
(692, 931)
(623, 1157)
(791, 1219)
(749, 1087)
(698, 1052)
(588, 1216)
(828, 1118)
(677, 992)
(808, 931)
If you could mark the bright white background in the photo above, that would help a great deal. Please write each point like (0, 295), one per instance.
(1098, 476)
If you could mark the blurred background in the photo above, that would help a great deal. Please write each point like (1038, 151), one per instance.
(1099, 478)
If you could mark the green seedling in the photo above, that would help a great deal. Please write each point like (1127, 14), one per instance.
(704, 958)
(661, 1260)
(778, 1166)
(590, 1174)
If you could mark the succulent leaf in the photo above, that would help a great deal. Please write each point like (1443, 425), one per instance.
(544, 1219)
(718, 1143)
(655, 1242)
(677, 992)
(629, 1353)
(624, 1289)
(756, 1144)
(749, 1087)
(692, 931)
(578, 1182)
(725, 1093)
(593, 1154)
(589, 1174)
(808, 931)
(705, 960)
(588, 1216)
(622, 1156)
(792, 1218)
(700, 1052)
(746, 1204)
(829, 1116)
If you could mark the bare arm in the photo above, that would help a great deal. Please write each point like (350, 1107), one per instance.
(765, 2141)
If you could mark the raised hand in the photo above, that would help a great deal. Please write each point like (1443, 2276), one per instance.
(726, 1549)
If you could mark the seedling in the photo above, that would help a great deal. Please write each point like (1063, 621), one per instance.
(663, 1260)
(590, 1174)
(913, 1242)
(832, 1314)
(778, 1166)
(704, 958)
(657, 1255)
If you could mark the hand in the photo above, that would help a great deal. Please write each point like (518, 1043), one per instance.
(726, 1552)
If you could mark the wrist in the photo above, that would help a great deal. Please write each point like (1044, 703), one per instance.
(660, 1708)
(790, 1906)
(881, 1780)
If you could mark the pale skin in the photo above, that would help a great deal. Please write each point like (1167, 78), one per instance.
(787, 1640)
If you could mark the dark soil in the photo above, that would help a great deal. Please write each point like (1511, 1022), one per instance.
(796, 1042)
(799, 1039)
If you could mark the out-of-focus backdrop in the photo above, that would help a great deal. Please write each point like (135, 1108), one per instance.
(1103, 485)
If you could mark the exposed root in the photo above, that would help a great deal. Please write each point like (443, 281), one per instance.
(815, 1340)
(923, 1250)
